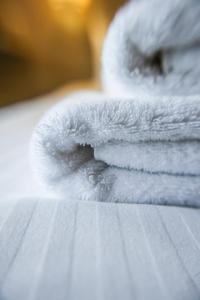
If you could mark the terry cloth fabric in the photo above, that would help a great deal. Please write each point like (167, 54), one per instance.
(138, 141)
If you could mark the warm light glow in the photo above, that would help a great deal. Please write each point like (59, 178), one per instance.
(59, 4)
(70, 13)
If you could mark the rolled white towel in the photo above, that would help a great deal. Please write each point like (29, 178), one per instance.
(153, 48)
(141, 144)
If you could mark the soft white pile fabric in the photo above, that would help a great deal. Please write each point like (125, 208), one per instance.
(153, 48)
(139, 141)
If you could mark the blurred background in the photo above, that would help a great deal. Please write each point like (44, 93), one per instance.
(45, 44)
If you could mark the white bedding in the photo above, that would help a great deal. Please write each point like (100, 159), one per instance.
(53, 250)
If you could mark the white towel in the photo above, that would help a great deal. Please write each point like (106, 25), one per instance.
(153, 48)
(143, 145)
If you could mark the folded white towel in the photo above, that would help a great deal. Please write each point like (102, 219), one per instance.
(72, 137)
(143, 145)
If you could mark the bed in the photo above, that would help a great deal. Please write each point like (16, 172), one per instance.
(55, 249)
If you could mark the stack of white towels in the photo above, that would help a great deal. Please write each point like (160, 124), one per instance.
(138, 140)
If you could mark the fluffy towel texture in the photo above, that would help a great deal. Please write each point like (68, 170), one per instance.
(153, 47)
(143, 145)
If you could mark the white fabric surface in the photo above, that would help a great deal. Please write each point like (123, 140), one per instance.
(68, 168)
(56, 250)
(16, 125)
(152, 48)
(141, 143)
